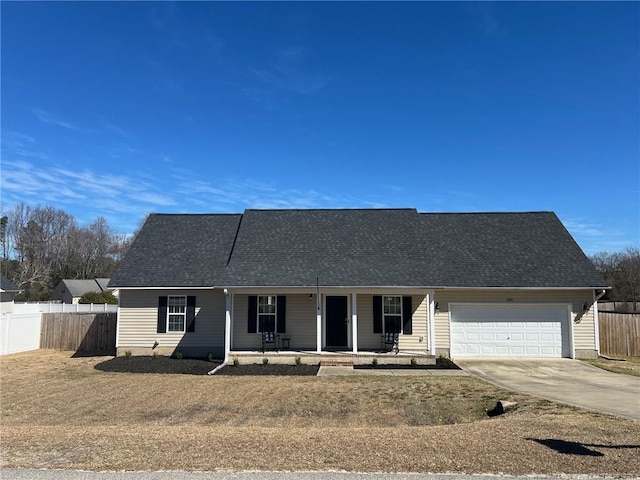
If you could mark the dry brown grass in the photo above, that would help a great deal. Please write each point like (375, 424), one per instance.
(60, 412)
(628, 365)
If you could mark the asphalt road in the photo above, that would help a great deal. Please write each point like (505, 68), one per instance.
(29, 474)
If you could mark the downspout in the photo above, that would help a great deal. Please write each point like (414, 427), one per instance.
(227, 332)
(596, 320)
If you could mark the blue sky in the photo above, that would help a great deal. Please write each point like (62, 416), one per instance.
(120, 109)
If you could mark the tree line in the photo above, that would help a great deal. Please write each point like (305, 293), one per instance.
(621, 270)
(43, 245)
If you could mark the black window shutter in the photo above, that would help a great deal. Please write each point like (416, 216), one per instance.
(377, 314)
(162, 314)
(407, 316)
(191, 314)
(282, 313)
(253, 314)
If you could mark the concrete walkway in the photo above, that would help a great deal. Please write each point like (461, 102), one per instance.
(340, 370)
(562, 380)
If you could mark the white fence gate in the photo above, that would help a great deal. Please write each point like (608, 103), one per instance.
(20, 332)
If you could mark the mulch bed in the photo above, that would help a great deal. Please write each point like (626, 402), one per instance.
(441, 364)
(159, 364)
(259, 369)
(197, 366)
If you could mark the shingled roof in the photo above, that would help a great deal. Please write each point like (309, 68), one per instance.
(178, 251)
(7, 285)
(356, 247)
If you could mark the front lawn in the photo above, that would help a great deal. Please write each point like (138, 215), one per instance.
(625, 365)
(63, 412)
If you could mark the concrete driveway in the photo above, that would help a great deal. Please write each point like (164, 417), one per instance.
(563, 380)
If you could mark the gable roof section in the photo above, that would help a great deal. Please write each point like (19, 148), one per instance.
(528, 250)
(339, 247)
(7, 285)
(356, 247)
(78, 287)
(178, 250)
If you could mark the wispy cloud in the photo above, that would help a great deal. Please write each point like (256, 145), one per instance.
(236, 195)
(594, 237)
(291, 79)
(21, 145)
(115, 129)
(83, 190)
(52, 119)
(286, 72)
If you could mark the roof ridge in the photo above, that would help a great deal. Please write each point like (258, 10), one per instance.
(412, 209)
(194, 214)
(488, 213)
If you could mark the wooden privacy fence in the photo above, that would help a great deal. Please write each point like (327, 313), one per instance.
(619, 334)
(85, 333)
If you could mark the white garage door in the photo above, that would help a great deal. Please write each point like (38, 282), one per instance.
(498, 330)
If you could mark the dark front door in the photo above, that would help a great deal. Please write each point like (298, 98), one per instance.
(337, 322)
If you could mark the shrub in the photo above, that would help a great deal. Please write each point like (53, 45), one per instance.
(445, 362)
(127, 354)
(265, 361)
(154, 356)
(236, 361)
(374, 363)
(210, 356)
(413, 362)
(99, 297)
(179, 354)
(298, 361)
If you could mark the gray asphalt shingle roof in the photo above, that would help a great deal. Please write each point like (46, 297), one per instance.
(7, 285)
(178, 251)
(356, 247)
(78, 287)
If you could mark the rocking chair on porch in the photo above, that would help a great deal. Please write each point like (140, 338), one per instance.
(389, 342)
(269, 338)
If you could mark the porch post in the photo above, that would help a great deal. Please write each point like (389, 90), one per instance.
(227, 324)
(354, 322)
(318, 324)
(432, 323)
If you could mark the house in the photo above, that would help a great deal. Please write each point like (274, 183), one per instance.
(71, 290)
(454, 284)
(8, 291)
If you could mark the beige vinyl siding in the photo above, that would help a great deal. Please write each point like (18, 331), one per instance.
(417, 341)
(584, 337)
(138, 320)
(583, 331)
(367, 340)
(300, 323)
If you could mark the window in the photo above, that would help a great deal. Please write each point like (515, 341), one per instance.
(392, 314)
(267, 313)
(177, 313)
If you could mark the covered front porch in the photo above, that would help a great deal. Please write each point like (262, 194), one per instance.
(305, 357)
(330, 324)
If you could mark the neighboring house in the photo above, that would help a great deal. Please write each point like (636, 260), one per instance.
(70, 290)
(8, 291)
(476, 284)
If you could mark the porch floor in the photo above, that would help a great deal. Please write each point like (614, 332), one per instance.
(344, 357)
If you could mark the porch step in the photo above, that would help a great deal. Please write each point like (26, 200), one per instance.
(336, 362)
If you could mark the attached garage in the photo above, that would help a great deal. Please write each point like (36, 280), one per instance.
(510, 330)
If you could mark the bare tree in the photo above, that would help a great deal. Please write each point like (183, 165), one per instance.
(47, 245)
(621, 270)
